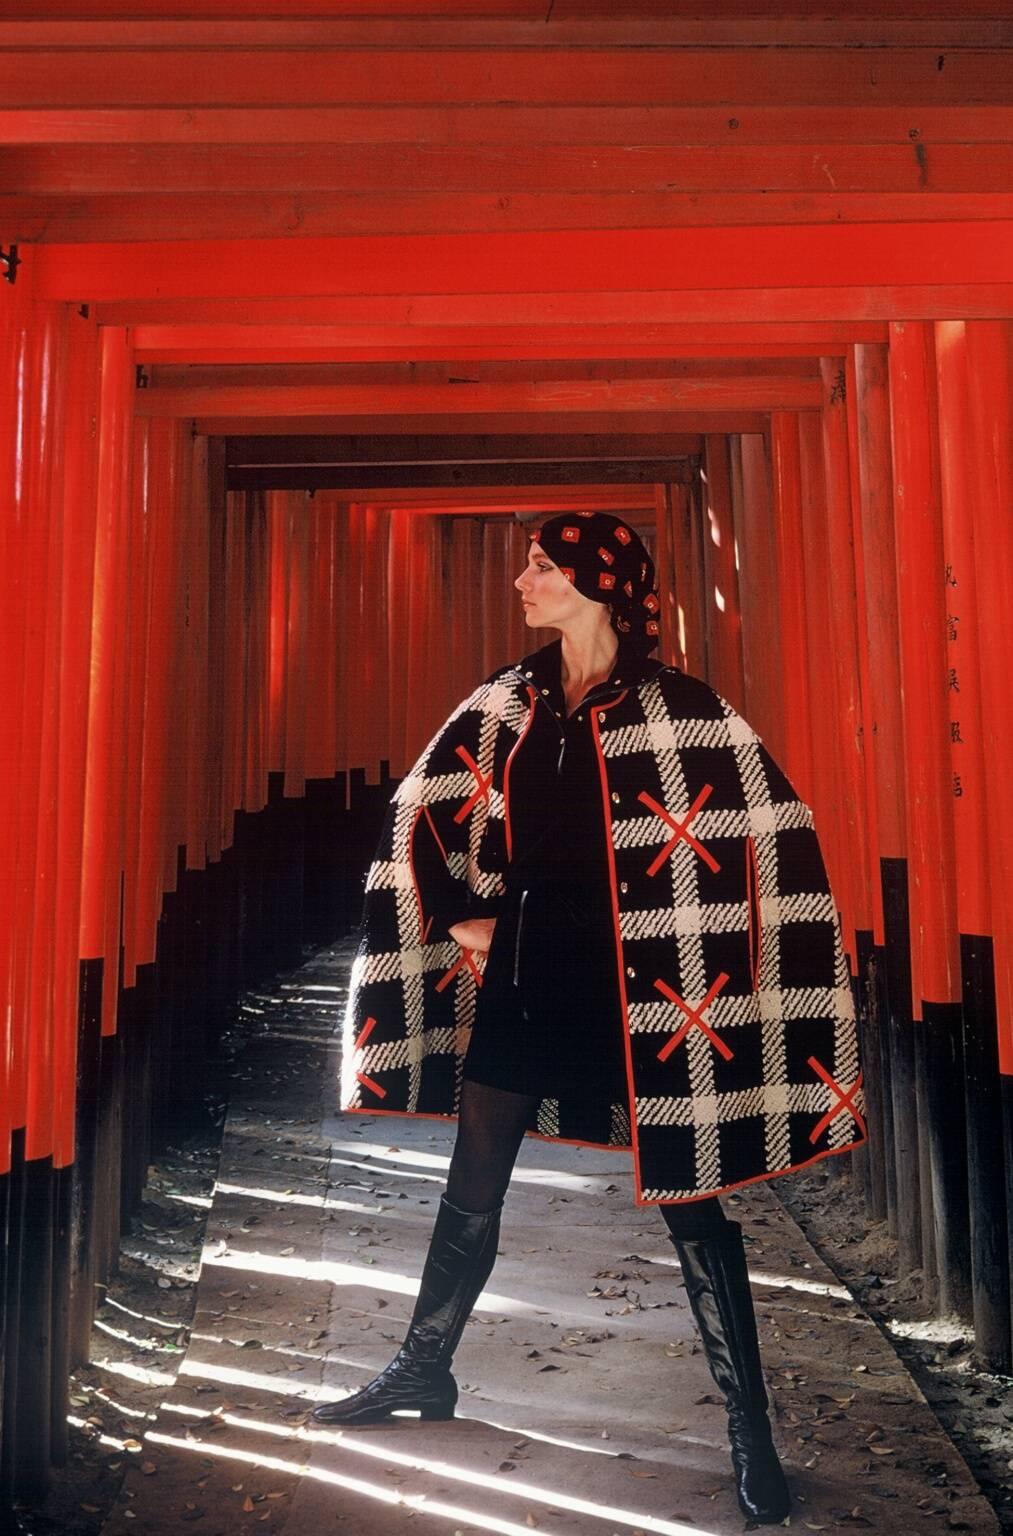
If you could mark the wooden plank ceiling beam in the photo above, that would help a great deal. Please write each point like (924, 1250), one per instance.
(367, 479)
(159, 344)
(502, 423)
(514, 76)
(409, 352)
(480, 125)
(412, 451)
(976, 23)
(833, 305)
(493, 498)
(619, 396)
(449, 373)
(553, 262)
(86, 218)
(50, 171)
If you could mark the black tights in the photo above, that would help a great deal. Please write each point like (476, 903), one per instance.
(490, 1128)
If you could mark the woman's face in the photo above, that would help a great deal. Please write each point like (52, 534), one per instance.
(550, 601)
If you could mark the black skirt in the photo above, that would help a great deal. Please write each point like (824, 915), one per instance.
(548, 1018)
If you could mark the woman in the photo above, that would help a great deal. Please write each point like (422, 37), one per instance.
(664, 968)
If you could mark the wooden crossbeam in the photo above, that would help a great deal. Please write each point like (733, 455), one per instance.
(554, 374)
(167, 343)
(553, 263)
(518, 351)
(976, 23)
(480, 124)
(514, 76)
(76, 217)
(644, 396)
(474, 500)
(503, 423)
(52, 170)
(367, 479)
(401, 449)
(835, 305)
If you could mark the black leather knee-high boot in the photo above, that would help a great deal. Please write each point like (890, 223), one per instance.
(462, 1252)
(717, 1284)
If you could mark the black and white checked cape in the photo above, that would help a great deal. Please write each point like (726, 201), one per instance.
(741, 1043)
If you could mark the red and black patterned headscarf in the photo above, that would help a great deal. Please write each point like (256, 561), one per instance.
(606, 561)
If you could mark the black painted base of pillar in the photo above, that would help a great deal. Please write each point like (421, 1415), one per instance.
(870, 1159)
(989, 1157)
(946, 1135)
(1006, 1090)
(904, 1077)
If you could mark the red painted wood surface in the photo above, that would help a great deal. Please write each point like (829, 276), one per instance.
(754, 257)
(549, 76)
(882, 687)
(854, 898)
(77, 525)
(479, 123)
(624, 18)
(646, 179)
(759, 597)
(990, 358)
(786, 477)
(618, 396)
(225, 342)
(935, 971)
(827, 788)
(963, 633)
(40, 743)
(721, 616)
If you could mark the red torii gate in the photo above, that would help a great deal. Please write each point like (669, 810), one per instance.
(771, 252)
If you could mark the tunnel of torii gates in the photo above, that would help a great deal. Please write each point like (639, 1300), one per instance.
(302, 321)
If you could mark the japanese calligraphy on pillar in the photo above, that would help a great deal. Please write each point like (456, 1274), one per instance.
(953, 672)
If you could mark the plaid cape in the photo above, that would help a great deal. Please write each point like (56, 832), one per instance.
(739, 1017)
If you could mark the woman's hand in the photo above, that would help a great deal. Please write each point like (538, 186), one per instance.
(475, 933)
